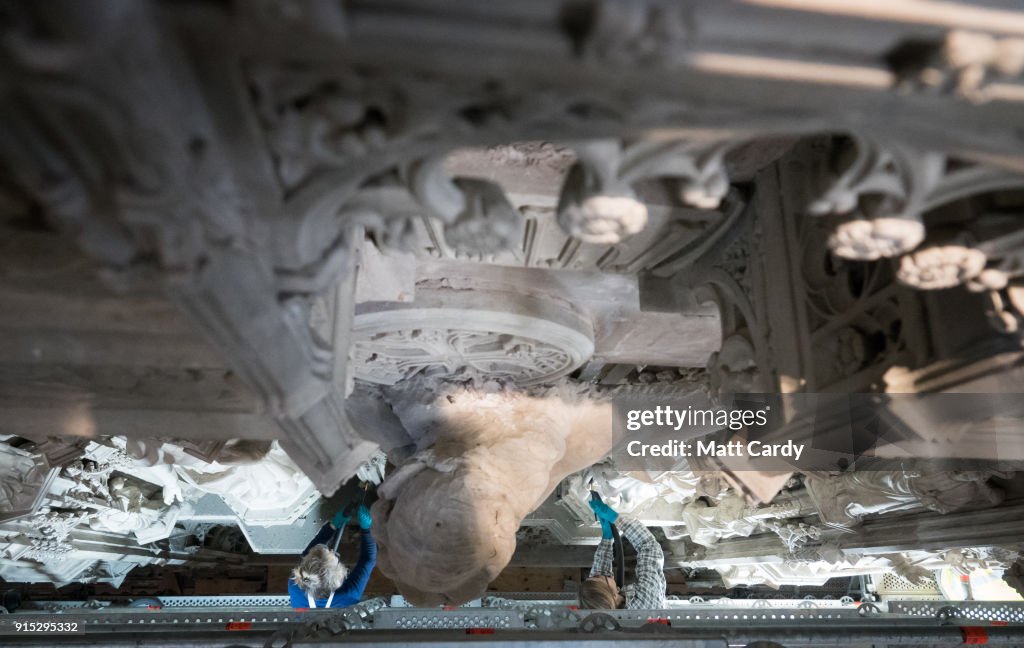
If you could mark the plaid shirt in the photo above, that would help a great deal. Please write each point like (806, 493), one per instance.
(649, 591)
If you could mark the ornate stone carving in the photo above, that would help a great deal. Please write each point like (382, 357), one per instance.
(521, 341)
(880, 192)
(402, 354)
(709, 524)
(598, 203)
(981, 254)
(851, 309)
(870, 239)
(734, 368)
(488, 223)
(625, 33)
(23, 478)
(602, 216)
(149, 161)
(846, 499)
(943, 266)
(794, 534)
(965, 64)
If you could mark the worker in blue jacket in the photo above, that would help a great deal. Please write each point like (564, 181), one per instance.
(320, 580)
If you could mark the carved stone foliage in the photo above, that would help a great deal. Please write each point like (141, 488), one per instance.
(840, 323)
(882, 196)
(478, 218)
(598, 203)
(965, 63)
(634, 33)
(354, 148)
(880, 192)
(942, 266)
(980, 251)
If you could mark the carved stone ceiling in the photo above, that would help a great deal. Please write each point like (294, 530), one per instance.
(225, 220)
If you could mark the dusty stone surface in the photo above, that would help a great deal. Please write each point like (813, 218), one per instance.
(447, 519)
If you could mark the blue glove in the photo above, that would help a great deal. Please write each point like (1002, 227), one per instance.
(363, 515)
(606, 530)
(603, 512)
(340, 519)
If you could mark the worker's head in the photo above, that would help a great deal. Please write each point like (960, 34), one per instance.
(319, 573)
(600, 593)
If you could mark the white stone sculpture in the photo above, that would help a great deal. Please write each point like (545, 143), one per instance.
(447, 518)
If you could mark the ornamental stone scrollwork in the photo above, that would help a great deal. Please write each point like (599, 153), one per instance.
(724, 274)
(507, 337)
(314, 122)
(880, 193)
(398, 355)
(981, 254)
(598, 203)
(597, 212)
(478, 218)
(488, 224)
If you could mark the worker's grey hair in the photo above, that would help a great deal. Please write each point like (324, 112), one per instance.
(598, 594)
(319, 572)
